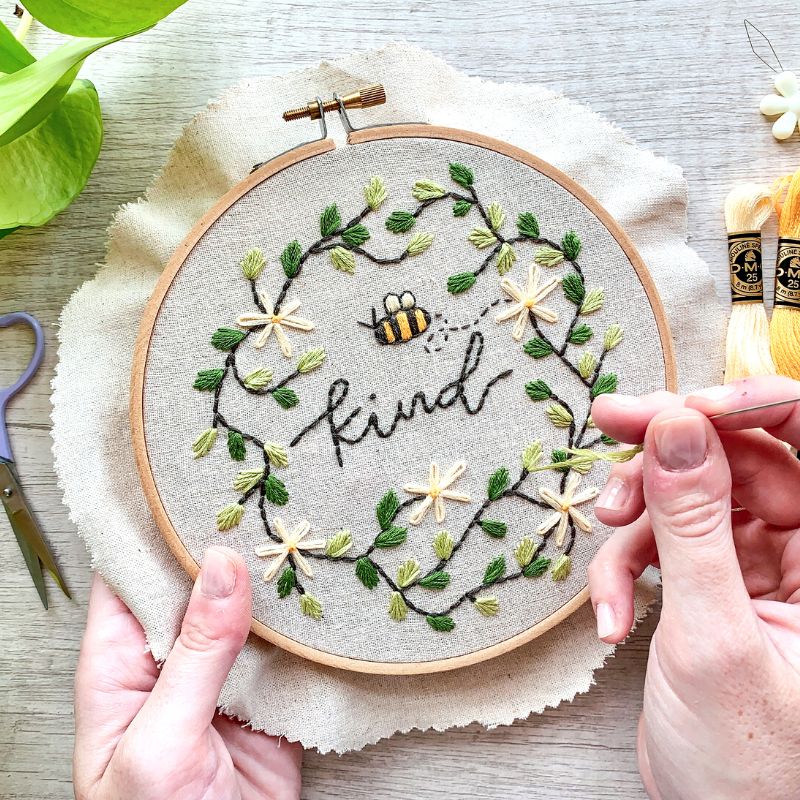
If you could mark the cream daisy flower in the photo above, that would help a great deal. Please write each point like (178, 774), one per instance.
(292, 542)
(436, 492)
(273, 322)
(526, 301)
(564, 505)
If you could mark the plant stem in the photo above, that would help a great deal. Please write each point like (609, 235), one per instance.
(24, 26)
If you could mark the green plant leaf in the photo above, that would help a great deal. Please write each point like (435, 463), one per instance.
(330, 220)
(386, 509)
(571, 245)
(440, 622)
(45, 169)
(580, 334)
(224, 338)
(400, 221)
(495, 570)
(537, 348)
(366, 573)
(236, 446)
(356, 235)
(207, 380)
(538, 390)
(286, 582)
(436, 580)
(605, 384)
(498, 483)
(528, 225)
(391, 537)
(13, 54)
(573, 288)
(461, 282)
(285, 397)
(275, 491)
(537, 567)
(461, 208)
(290, 258)
(462, 175)
(494, 528)
(100, 17)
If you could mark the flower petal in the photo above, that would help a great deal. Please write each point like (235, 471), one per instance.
(285, 344)
(585, 496)
(518, 331)
(269, 549)
(303, 564)
(562, 530)
(272, 569)
(581, 520)
(773, 104)
(417, 515)
(512, 311)
(253, 319)
(263, 336)
(547, 314)
(786, 83)
(266, 301)
(512, 289)
(548, 523)
(438, 509)
(461, 497)
(784, 126)
(551, 498)
(453, 474)
(299, 323)
(289, 308)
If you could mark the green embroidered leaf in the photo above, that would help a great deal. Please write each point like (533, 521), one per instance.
(285, 397)
(427, 190)
(606, 439)
(419, 243)
(257, 379)
(247, 479)
(493, 527)
(343, 260)
(330, 220)
(440, 623)
(375, 193)
(481, 238)
(590, 422)
(366, 573)
(537, 347)
(573, 287)
(498, 483)
(460, 282)
(310, 606)
(229, 516)
(531, 455)
(236, 446)
(581, 334)
(398, 610)
(275, 491)
(276, 454)
(538, 390)
(487, 605)
(462, 175)
(571, 245)
(528, 225)
(548, 256)
(204, 442)
(226, 338)
(524, 551)
(391, 537)
(461, 208)
(290, 259)
(253, 263)
(496, 216)
(605, 384)
(558, 456)
(387, 509)
(537, 567)
(356, 235)
(207, 380)
(593, 301)
(436, 580)
(586, 365)
(339, 544)
(443, 545)
(558, 415)
(311, 360)
(505, 258)
(561, 568)
(286, 582)
(495, 570)
(400, 221)
(614, 335)
(407, 573)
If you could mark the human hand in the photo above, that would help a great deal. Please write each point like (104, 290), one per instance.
(145, 734)
(722, 692)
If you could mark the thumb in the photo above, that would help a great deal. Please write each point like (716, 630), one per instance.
(213, 632)
(687, 489)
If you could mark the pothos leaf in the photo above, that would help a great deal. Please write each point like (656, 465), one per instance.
(13, 54)
(44, 170)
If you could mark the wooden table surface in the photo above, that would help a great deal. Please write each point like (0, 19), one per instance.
(679, 77)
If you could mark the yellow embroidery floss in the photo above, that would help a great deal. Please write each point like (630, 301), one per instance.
(747, 347)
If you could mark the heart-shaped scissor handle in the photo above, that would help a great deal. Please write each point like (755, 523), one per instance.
(9, 391)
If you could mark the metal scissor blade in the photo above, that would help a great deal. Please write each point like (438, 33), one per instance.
(26, 529)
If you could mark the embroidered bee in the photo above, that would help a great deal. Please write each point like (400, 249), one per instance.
(404, 319)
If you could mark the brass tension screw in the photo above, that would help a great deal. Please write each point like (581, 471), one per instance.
(364, 98)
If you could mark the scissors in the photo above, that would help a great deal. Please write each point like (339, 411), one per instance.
(23, 523)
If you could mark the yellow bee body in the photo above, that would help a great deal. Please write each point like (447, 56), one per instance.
(404, 319)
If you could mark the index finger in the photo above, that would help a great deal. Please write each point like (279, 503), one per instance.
(782, 421)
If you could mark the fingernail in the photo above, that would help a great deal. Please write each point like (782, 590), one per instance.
(614, 495)
(218, 574)
(681, 443)
(606, 620)
(716, 392)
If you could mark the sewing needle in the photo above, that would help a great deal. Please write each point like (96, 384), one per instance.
(755, 408)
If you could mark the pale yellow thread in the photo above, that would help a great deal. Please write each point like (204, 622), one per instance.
(526, 301)
(436, 492)
(275, 323)
(564, 509)
(292, 542)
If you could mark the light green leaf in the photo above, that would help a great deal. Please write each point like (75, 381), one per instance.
(276, 454)
(311, 360)
(343, 260)
(561, 568)
(229, 516)
(257, 379)
(375, 193)
(427, 190)
(496, 216)
(310, 606)
(593, 301)
(481, 238)
(407, 573)
(613, 336)
(13, 54)
(339, 544)
(531, 455)
(419, 243)
(586, 365)
(443, 545)
(202, 445)
(548, 256)
(524, 551)
(247, 479)
(45, 169)
(487, 605)
(398, 610)
(100, 17)
(558, 415)
(253, 263)
(505, 258)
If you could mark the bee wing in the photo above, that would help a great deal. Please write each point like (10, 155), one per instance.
(391, 303)
(407, 300)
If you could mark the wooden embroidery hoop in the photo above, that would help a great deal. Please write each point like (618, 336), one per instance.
(266, 171)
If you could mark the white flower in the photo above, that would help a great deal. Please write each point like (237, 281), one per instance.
(291, 543)
(787, 104)
(436, 492)
(275, 322)
(564, 506)
(527, 300)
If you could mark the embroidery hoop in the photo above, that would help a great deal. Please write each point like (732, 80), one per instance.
(263, 173)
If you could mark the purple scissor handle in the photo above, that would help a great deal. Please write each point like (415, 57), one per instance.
(33, 365)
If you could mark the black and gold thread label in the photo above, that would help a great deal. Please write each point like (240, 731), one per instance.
(787, 273)
(744, 261)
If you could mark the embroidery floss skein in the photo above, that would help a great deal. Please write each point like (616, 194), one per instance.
(747, 347)
(784, 331)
